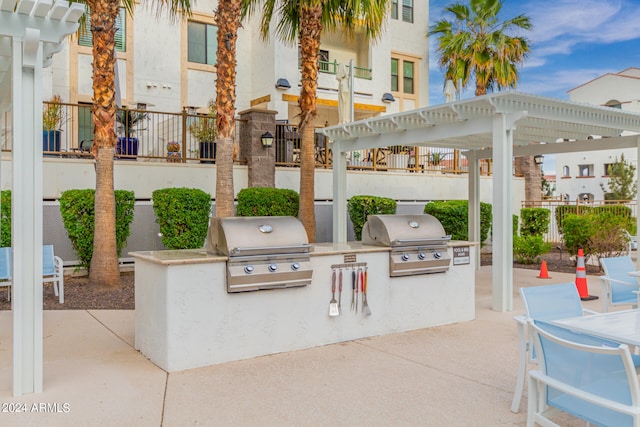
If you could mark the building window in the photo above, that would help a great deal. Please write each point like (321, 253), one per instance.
(85, 125)
(86, 38)
(394, 74)
(607, 167)
(407, 11)
(566, 171)
(407, 74)
(585, 170)
(203, 43)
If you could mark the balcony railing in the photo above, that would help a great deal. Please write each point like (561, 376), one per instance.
(328, 67)
(170, 137)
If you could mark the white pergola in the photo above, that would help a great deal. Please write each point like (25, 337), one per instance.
(31, 32)
(498, 126)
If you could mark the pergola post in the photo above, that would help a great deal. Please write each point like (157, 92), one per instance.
(27, 204)
(474, 201)
(339, 193)
(502, 242)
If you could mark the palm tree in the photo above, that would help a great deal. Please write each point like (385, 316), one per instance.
(104, 269)
(476, 43)
(228, 21)
(304, 21)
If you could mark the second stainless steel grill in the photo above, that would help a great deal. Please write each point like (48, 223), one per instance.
(264, 252)
(418, 242)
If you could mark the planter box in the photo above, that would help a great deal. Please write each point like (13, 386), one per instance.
(207, 152)
(127, 148)
(51, 141)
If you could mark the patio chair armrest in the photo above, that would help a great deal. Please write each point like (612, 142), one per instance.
(587, 311)
(620, 282)
(58, 263)
(521, 319)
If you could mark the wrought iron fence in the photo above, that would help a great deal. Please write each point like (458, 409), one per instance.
(186, 138)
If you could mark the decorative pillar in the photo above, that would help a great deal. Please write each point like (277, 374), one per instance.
(261, 161)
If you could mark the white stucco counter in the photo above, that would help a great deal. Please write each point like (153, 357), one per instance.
(184, 317)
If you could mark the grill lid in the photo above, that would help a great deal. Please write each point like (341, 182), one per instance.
(260, 235)
(403, 231)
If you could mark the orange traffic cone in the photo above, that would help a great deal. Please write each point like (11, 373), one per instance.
(544, 273)
(581, 279)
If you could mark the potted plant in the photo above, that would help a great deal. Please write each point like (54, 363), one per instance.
(53, 116)
(435, 158)
(128, 120)
(203, 130)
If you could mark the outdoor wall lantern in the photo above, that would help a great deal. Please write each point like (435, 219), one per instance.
(267, 140)
(387, 97)
(283, 84)
(538, 159)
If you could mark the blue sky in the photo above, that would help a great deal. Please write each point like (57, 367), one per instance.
(572, 42)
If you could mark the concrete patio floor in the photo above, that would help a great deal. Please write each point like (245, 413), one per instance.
(454, 375)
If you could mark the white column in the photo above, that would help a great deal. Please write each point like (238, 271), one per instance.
(502, 258)
(27, 213)
(474, 201)
(637, 199)
(339, 193)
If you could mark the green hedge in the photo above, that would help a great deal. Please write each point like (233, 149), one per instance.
(528, 248)
(454, 216)
(535, 221)
(5, 218)
(360, 207)
(266, 201)
(77, 210)
(183, 215)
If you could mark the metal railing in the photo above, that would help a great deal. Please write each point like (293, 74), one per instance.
(581, 208)
(171, 137)
(151, 135)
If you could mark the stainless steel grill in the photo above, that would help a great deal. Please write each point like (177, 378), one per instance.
(418, 242)
(263, 252)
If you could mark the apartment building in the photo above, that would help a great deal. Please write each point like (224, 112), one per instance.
(579, 175)
(169, 65)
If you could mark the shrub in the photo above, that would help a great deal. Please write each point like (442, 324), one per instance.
(527, 249)
(454, 217)
(183, 215)
(576, 233)
(360, 207)
(535, 221)
(77, 210)
(607, 238)
(515, 225)
(266, 201)
(5, 218)
(562, 212)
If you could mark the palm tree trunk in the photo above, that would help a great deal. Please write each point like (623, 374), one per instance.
(104, 270)
(310, 30)
(228, 19)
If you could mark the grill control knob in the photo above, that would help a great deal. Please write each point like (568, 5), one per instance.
(405, 257)
(295, 266)
(248, 269)
(421, 255)
(273, 267)
(437, 255)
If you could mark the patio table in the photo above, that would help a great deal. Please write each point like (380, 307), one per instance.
(619, 326)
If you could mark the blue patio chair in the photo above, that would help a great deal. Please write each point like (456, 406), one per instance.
(6, 265)
(585, 378)
(546, 303)
(618, 287)
(53, 271)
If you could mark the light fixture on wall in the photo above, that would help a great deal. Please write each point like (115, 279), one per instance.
(267, 139)
(538, 159)
(387, 97)
(283, 83)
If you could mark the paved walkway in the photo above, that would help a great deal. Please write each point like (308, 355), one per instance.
(455, 375)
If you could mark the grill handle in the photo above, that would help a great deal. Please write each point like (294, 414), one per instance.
(423, 241)
(270, 250)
